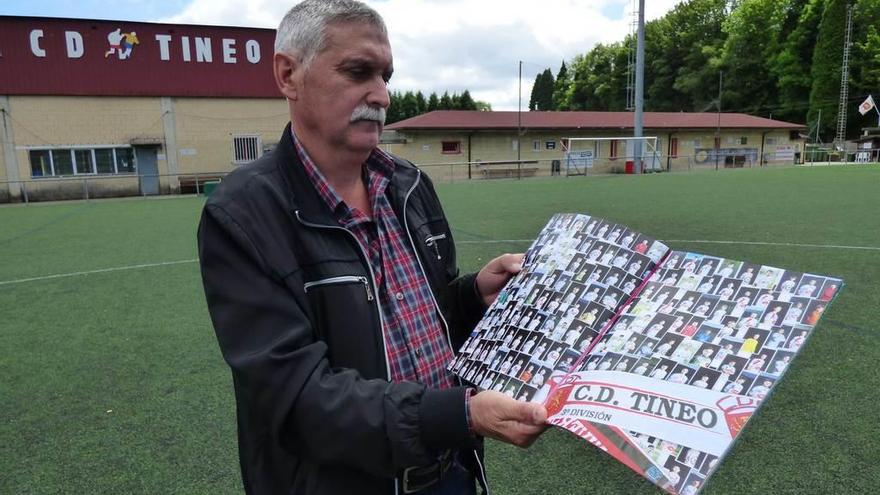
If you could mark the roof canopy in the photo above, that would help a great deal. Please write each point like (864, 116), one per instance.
(467, 119)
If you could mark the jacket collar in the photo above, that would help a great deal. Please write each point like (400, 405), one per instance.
(305, 199)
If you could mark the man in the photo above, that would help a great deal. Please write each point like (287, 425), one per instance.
(336, 318)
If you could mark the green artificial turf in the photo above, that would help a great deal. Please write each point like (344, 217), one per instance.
(112, 381)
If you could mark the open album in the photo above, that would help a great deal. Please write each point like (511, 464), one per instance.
(657, 357)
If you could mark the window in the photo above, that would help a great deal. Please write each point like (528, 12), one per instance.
(124, 160)
(451, 147)
(550, 145)
(245, 148)
(771, 141)
(673, 147)
(613, 153)
(718, 143)
(104, 160)
(62, 162)
(743, 140)
(85, 163)
(41, 164)
(698, 143)
(536, 145)
(81, 161)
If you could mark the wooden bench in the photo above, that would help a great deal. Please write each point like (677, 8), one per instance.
(509, 173)
(194, 184)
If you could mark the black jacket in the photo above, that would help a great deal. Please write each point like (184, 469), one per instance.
(293, 304)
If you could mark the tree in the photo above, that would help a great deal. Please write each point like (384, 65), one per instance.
(466, 102)
(433, 102)
(421, 104)
(482, 106)
(791, 66)
(392, 115)
(536, 88)
(409, 106)
(752, 41)
(542, 92)
(560, 89)
(825, 70)
(682, 56)
(598, 80)
(445, 102)
(779, 57)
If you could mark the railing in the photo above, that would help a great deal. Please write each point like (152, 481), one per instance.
(87, 187)
(827, 155)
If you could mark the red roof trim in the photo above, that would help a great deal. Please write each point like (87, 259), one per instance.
(462, 119)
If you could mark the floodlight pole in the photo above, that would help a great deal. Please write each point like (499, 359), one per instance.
(718, 128)
(640, 90)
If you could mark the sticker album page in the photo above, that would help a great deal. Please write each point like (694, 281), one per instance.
(657, 357)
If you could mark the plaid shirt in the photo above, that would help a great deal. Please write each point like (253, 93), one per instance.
(416, 343)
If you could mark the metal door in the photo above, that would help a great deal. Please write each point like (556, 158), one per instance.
(148, 170)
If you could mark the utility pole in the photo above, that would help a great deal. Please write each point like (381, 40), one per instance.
(640, 90)
(840, 139)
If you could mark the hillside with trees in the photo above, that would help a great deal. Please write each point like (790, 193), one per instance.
(779, 58)
(409, 104)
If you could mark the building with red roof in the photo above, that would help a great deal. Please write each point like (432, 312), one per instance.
(538, 140)
(95, 108)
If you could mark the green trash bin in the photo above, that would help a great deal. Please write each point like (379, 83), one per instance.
(209, 187)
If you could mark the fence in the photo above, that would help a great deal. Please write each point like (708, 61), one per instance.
(461, 171)
(829, 155)
(88, 187)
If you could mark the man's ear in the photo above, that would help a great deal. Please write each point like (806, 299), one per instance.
(288, 74)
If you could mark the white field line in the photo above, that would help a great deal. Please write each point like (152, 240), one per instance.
(703, 241)
(101, 270)
(494, 241)
(785, 244)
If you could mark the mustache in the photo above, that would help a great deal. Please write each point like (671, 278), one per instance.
(366, 112)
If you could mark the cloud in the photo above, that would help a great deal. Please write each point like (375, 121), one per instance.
(453, 45)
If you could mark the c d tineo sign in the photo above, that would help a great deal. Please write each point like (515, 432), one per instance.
(45, 56)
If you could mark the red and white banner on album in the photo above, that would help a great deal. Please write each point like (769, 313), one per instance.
(706, 420)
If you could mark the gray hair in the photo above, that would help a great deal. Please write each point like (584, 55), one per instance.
(302, 31)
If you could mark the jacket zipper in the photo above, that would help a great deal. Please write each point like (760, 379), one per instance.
(372, 282)
(434, 239)
(431, 241)
(341, 280)
(419, 260)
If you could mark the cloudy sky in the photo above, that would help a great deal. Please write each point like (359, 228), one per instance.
(438, 45)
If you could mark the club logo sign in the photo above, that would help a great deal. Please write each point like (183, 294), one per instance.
(121, 43)
(559, 392)
(737, 411)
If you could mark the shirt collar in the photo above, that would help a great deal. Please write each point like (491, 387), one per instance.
(379, 162)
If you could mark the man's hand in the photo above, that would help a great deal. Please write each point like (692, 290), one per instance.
(497, 416)
(496, 273)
